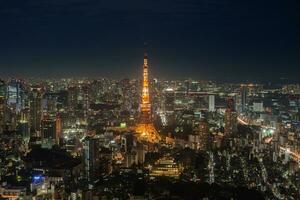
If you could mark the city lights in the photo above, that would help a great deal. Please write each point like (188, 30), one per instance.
(207, 109)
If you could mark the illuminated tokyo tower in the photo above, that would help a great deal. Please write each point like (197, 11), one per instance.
(145, 128)
(145, 101)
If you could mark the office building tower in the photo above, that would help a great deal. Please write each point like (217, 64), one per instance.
(127, 142)
(35, 109)
(48, 128)
(72, 98)
(23, 125)
(91, 157)
(203, 132)
(49, 103)
(169, 100)
(15, 95)
(258, 107)
(244, 98)
(58, 127)
(2, 105)
(211, 103)
(230, 118)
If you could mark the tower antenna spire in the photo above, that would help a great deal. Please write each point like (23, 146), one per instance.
(145, 50)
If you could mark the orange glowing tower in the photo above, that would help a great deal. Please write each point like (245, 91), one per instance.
(145, 101)
(145, 127)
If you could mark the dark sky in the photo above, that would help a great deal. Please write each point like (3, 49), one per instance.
(202, 39)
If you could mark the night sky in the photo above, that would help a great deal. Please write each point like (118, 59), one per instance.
(202, 39)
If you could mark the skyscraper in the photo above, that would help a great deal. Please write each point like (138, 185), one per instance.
(230, 118)
(14, 95)
(244, 98)
(211, 103)
(58, 127)
(169, 100)
(72, 98)
(203, 132)
(2, 105)
(35, 109)
(48, 127)
(23, 125)
(91, 157)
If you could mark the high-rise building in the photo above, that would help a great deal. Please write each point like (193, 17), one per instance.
(276, 141)
(15, 95)
(244, 98)
(91, 156)
(49, 102)
(2, 88)
(203, 132)
(258, 106)
(48, 128)
(230, 118)
(211, 103)
(145, 127)
(58, 128)
(2, 105)
(35, 109)
(127, 142)
(85, 94)
(169, 100)
(72, 98)
(23, 125)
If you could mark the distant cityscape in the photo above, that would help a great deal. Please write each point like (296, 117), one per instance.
(148, 138)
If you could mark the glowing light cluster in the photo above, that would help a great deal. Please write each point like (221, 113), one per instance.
(145, 128)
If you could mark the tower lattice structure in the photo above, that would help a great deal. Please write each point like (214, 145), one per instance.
(145, 127)
(145, 100)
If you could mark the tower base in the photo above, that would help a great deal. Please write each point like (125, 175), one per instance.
(147, 132)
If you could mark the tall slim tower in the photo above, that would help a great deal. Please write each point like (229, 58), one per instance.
(211, 103)
(230, 118)
(36, 110)
(145, 127)
(244, 98)
(145, 101)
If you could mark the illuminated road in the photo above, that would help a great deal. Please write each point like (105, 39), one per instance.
(295, 156)
(242, 121)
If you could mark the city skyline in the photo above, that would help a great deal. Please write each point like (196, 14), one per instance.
(197, 39)
(149, 100)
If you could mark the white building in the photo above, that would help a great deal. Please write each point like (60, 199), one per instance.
(211, 103)
(258, 107)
